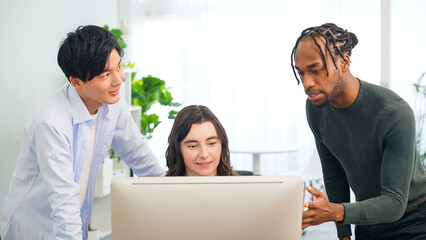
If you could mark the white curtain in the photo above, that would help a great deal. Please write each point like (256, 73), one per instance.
(234, 57)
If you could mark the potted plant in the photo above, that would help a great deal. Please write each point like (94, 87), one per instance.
(146, 92)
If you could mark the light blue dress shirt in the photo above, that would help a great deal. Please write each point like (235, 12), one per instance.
(42, 201)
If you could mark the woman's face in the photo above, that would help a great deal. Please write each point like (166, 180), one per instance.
(201, 150)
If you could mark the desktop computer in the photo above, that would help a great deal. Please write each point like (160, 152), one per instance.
(204, 208)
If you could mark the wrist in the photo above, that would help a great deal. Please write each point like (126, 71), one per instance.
(339, 213)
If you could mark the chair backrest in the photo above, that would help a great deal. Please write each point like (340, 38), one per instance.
(244, 173)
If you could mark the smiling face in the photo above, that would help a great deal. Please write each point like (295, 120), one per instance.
(320, 88)
(104, 88)
(201, 150)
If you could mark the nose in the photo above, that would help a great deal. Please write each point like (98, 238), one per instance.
(118, 77)
(307, 82)
(203, 152)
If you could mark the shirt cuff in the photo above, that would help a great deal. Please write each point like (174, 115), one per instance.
(352, 213)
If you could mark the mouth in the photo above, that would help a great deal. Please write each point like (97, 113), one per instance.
(204, 164)
(313, 95)
(115, 92)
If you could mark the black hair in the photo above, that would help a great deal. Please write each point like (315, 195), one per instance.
(340, 39)
(84, 53)
(195, 114)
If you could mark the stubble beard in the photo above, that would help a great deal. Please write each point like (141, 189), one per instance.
(335, 93)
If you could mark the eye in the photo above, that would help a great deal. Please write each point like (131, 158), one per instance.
(191, 146)
(301, 74)
(106, 75)
(316, 71)
(212, 143)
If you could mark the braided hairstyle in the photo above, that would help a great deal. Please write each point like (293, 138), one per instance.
(338, 38)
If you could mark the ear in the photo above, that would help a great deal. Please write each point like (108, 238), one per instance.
(345, 62)
(76, 82)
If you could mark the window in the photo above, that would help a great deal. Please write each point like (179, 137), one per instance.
(234, 57)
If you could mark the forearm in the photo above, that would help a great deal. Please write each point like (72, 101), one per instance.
(382, 209)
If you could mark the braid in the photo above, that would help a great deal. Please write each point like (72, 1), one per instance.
(341, 40)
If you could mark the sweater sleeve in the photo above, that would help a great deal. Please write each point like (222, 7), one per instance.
(336, 184)
(335, 180)
(398, 128)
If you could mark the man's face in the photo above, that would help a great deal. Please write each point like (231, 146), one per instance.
(104, 88)
(320, 88)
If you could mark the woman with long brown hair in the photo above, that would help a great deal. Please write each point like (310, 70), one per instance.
(198, 145)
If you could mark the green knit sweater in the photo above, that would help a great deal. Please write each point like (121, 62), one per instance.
(371, 147)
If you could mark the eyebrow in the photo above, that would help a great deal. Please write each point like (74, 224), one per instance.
(109, 69)
(309, 66)
(195, 141)
(313, 65)
(190, 141)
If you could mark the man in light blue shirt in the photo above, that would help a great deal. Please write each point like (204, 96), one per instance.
(51, 191)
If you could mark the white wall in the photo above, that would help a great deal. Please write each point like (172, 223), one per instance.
(30, 34)
(407, 46)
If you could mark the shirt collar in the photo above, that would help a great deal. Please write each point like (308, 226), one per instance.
(105, 109)
(79, 111)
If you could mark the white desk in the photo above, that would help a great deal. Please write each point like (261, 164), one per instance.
(256, 151)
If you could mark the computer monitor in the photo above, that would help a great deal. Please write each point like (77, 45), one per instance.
(194, 208)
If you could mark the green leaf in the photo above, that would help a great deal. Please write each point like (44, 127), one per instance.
(133, 75)
(149, 123)
(113, 155)
(172, 114)
(130, 65)
(117, 32)
(417, 87)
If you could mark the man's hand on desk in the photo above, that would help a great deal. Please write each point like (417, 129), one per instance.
(321, 210)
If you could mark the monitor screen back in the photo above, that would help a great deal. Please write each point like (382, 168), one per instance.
(237, 207)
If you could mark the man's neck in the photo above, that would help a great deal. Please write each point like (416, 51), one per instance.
(349, 94)
(94, 112)
(92, 109)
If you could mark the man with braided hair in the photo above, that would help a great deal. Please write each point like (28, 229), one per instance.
(365, 137)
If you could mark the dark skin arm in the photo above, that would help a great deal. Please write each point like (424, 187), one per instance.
(321, 210)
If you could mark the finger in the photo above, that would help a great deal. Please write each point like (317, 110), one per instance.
(305, 214)
(314, 191)
(307, 204)
(308, 215)
(306, 223)
(310, 221)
